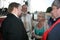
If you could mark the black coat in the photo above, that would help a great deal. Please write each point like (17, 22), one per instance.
(13, 28)
(54, 34)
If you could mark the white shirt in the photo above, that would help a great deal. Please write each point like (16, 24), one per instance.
(28, 21)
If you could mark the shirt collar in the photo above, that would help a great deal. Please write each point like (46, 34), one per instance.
(15, 15)
(57, 18)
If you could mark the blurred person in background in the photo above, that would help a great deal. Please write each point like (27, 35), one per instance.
(50, 18)
(27, 20)
(40, 27)
(12, 26)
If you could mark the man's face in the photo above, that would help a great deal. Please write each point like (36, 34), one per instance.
(19, 10)
(54, 11)
(24, 8)
(41, 17)
(58, 12)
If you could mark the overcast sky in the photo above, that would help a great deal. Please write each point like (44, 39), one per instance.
(35, 5)
(40, 5)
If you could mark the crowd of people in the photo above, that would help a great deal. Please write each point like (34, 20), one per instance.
(19, 24)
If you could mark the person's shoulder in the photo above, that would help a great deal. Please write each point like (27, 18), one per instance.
(54, 33)
(58, 25)
(5, 20)
(56, 28)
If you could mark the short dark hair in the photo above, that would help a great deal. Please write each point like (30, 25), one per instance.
(49, 9)
(56, 3)
(24, 5)
(12, 5)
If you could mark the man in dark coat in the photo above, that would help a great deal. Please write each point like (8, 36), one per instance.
(54, 34)
(12, 26)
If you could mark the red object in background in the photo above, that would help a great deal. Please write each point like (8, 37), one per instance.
(1, 20)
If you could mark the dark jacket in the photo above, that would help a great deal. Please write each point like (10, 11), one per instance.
(54, 34)
(13, 28)
(50, 21)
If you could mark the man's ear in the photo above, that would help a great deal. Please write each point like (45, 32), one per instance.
(58, 12)
(15, 9)
(59, 8)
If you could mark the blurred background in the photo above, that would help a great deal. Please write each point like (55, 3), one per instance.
(33, 5)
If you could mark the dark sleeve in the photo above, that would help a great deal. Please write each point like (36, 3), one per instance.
(7, 28)
(55, 33)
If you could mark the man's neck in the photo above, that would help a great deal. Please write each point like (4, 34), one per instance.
(15, 14)
(24, 13)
